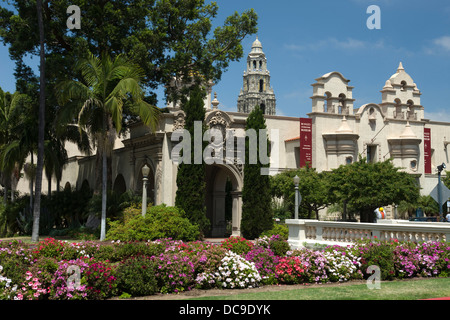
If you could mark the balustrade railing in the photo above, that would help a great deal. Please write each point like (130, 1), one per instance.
(314, 231)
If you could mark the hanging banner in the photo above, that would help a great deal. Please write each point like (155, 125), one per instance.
(305, 142)
(427, 149)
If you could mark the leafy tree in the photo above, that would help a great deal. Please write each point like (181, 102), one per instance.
(256, 200)
(366, 186)
(171, 40)
(99, 99)
(191, 178)
(313, 188)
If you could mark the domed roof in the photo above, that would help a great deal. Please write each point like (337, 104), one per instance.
(400, 76)
(256, 43)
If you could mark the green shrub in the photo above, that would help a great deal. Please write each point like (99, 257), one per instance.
(278, 229)
(378, 253)
(136, 276)
(279, 245)
(159, 222)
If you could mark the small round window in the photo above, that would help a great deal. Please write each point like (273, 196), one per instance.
(413, 165)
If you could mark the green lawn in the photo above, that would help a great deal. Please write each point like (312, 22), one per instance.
(392, 290)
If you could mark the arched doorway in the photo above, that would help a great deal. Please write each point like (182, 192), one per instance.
(223, 200)
(119, 186)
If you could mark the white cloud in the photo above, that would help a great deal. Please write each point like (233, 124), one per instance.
(443, 42)
(346, 44)
(438, 116)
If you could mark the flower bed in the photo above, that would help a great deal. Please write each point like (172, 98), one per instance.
(59, 270)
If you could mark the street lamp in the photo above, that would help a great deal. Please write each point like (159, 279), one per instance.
(298, 197)
(440, 168)
(145, 172)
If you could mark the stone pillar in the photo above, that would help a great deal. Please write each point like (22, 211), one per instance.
(237, 213)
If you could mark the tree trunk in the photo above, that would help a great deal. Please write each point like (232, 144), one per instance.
(40, 156)
(104, 185)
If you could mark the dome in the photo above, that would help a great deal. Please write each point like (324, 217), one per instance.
(257, 44)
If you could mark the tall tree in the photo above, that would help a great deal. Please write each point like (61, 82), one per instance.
(99, 98)
(256, 199)
(313, 188)
(41, 126)
(191, 177)
(366, 186)
(172, 40)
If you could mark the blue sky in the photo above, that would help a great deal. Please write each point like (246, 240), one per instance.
(306, 39)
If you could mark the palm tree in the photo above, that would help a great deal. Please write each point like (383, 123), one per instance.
(41, 124)
(99, 99)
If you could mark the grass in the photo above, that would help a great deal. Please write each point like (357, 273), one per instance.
(413, 289)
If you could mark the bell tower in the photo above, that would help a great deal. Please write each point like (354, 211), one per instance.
(256, 89)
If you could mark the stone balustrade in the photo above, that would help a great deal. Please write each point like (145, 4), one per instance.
(302, 232)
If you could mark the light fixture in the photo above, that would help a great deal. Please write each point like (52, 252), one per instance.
(145, 171)
(296, 180)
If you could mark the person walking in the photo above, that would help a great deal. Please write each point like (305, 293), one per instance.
(379, 214)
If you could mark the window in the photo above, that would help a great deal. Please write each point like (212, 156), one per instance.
(349, 160)
(327, 105)
(261, 85)
(263, 108)
(371, 153)
(342, 103)
(403, 83)
(413, 165)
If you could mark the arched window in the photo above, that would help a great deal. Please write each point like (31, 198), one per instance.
(342, 103)
(119, 186)
(398, 109)
(261, 85)
(327, 104)
(262, 106)
(403, 83)
(410, 105)
(254, 64)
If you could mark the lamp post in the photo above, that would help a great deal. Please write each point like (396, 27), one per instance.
(440, 168)
(145, 172)
(298, 197)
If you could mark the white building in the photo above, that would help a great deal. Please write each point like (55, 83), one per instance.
(340, 132)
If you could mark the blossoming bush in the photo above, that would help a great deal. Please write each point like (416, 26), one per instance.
(342, 265)
(7, 289)
(379, 253)
(315, 264)
(136, 276)
(100, 280)
(234, 272)
(65, 284)
(59, 270)
(290, 270)
(174, 272)
(238, 245)
(265, 261)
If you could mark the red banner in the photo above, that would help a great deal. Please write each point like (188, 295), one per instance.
(427, 149)
(305, 142)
